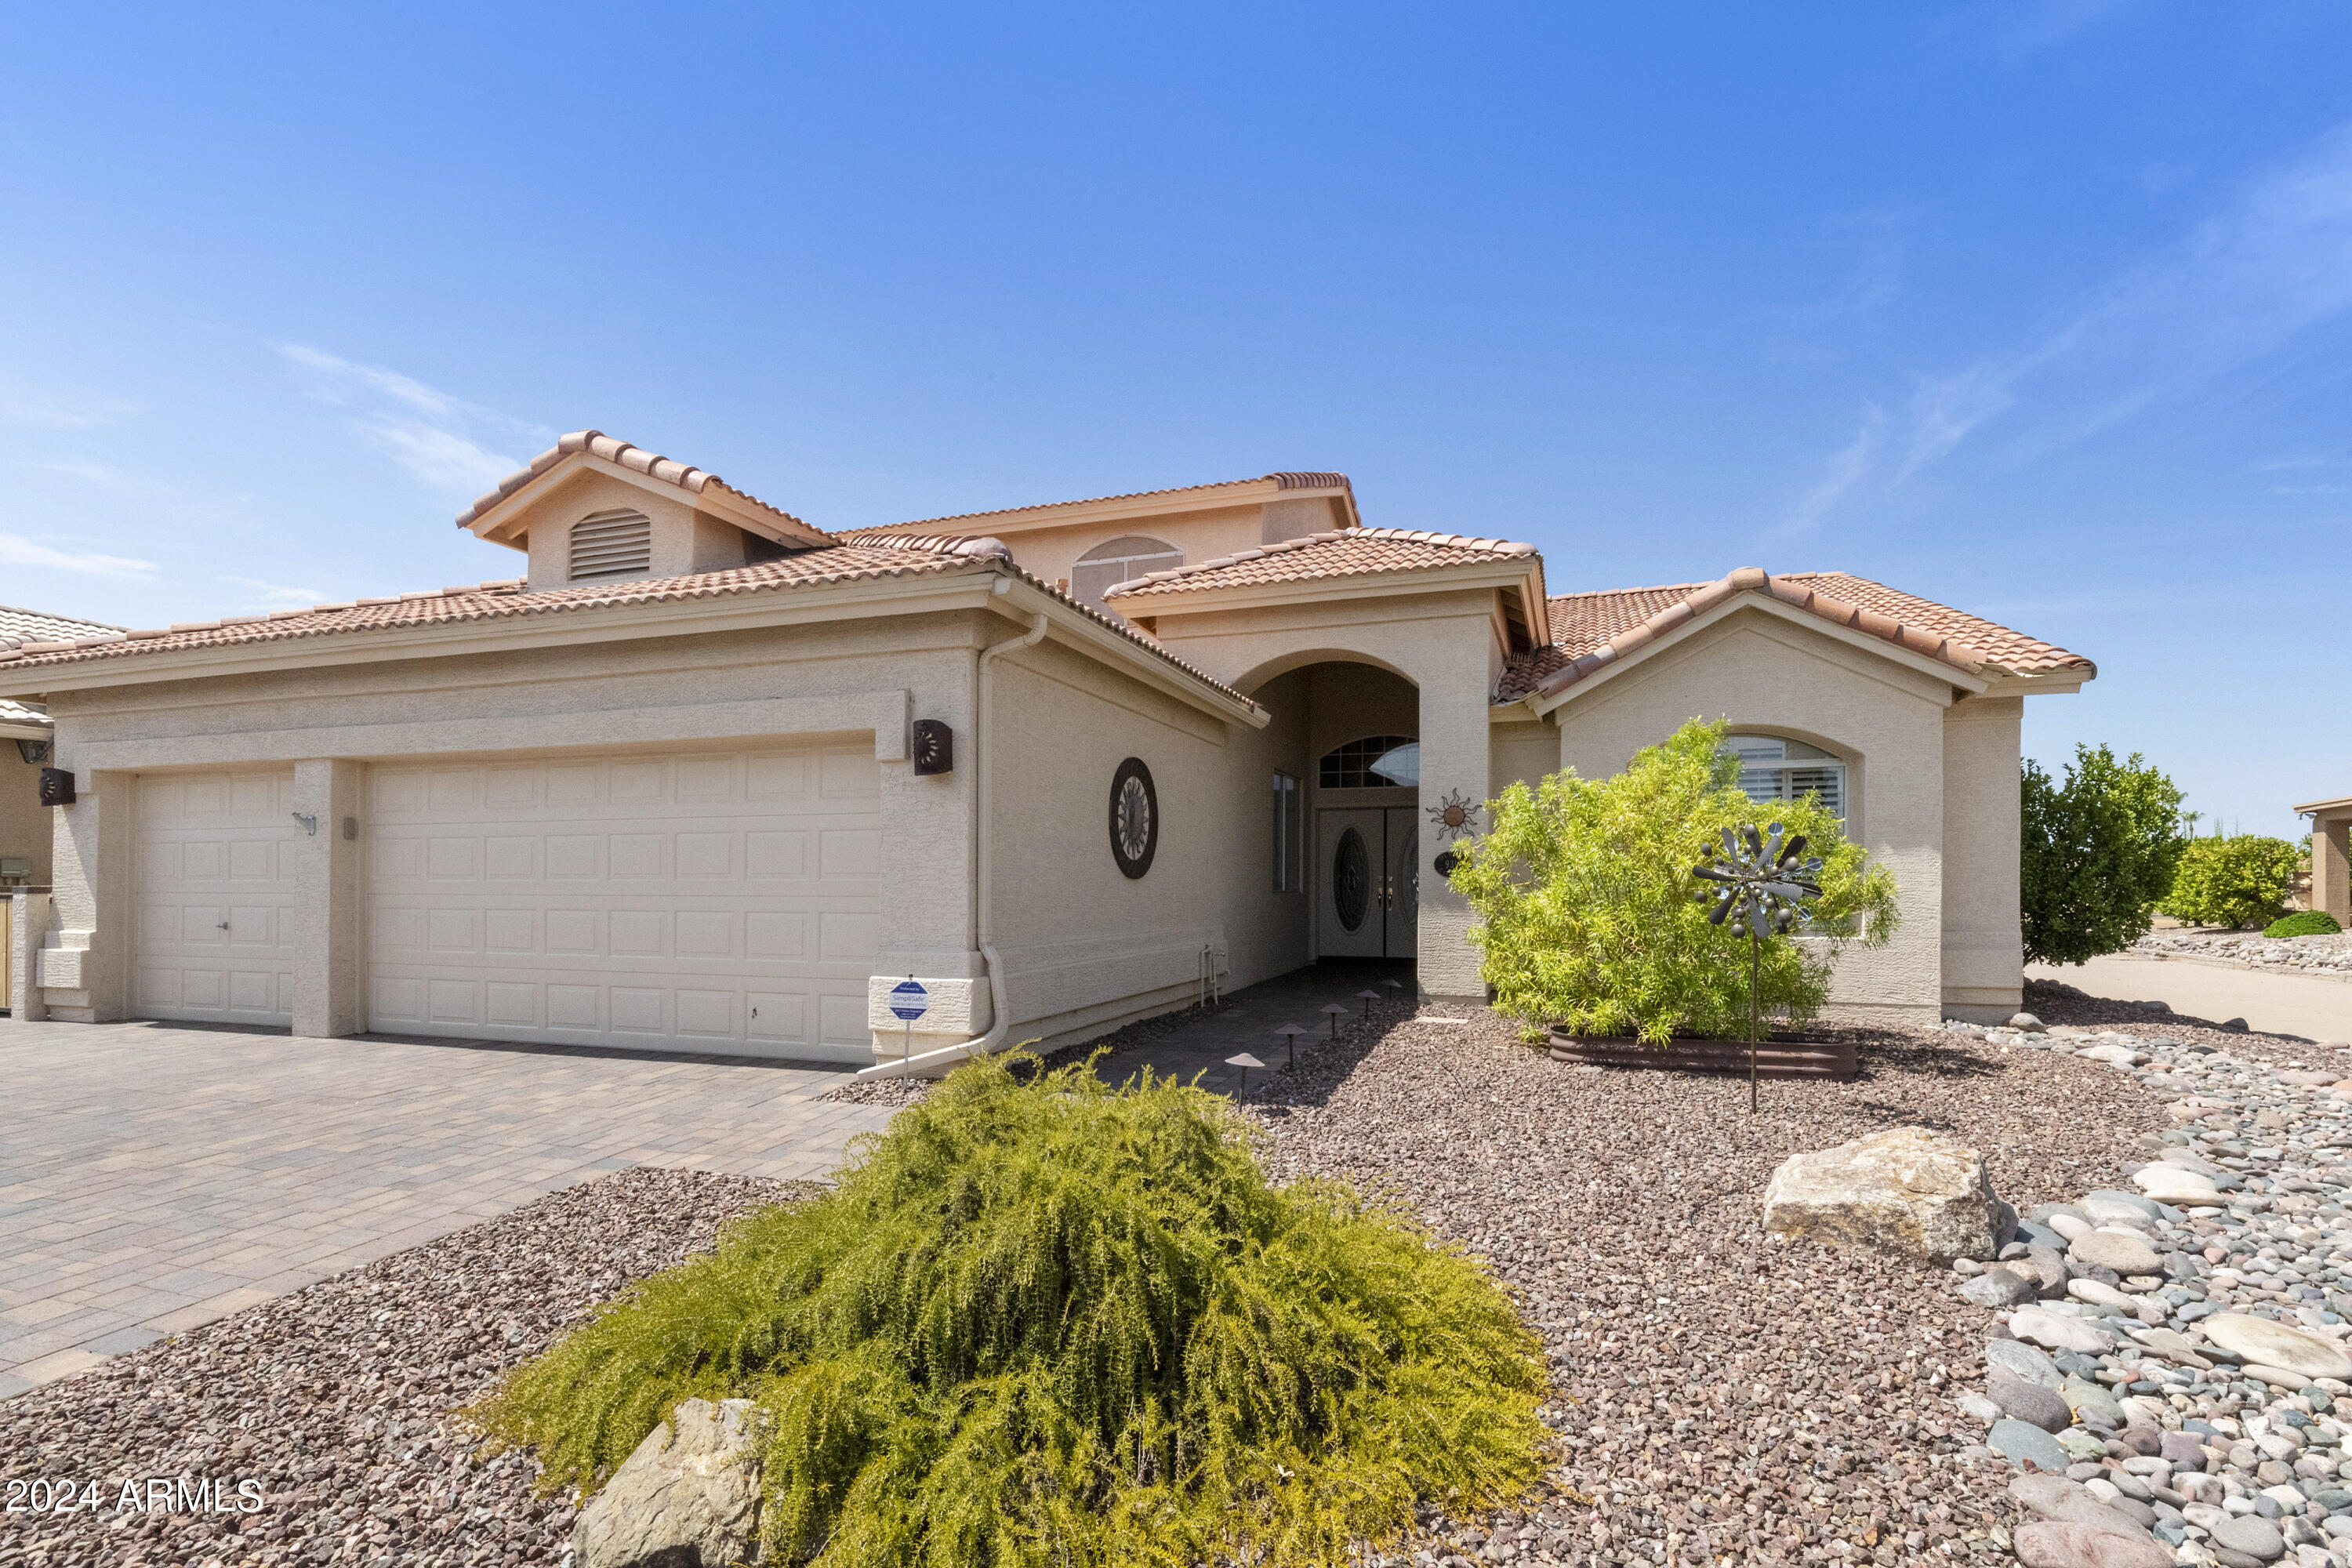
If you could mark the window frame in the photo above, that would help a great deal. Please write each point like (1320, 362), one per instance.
(1355, 759)
(1824, 760)
(1165, 558)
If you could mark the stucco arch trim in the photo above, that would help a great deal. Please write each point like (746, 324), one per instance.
(1282, 664)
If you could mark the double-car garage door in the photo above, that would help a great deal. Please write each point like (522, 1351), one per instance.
(727, 903)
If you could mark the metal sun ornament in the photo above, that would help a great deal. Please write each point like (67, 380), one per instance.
(1758, 885)
(1456, 815)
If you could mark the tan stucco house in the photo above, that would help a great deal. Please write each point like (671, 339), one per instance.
(707, 778)
(25, 740)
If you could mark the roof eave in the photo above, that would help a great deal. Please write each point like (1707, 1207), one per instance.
(1112, 509)
(1500, 572)
(715, 498)
(1554, 693)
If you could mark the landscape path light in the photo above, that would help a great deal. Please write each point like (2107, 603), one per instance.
(1291, 1033)
(1369, 996)
(1758, 882)
(1243, 1061)
(1336, 1010)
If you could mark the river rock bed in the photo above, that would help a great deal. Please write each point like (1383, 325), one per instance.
(2330, 954)
(335, 1400)
(2176, 1344)
(1722, 1394)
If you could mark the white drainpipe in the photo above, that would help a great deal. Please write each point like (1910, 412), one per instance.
(934, 1061)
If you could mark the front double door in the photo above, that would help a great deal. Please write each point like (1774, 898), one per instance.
(1370, 878)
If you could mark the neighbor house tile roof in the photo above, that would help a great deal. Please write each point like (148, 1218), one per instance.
(1590, 631)
(1296, 481)
(18, 627)
(1345, 552)
(613, 449)
(844, 561)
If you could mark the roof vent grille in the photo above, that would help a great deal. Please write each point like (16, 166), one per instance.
(612, 544)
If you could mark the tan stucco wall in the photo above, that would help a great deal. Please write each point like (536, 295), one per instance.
(1051, 552)
(1522, 753)
(683, 542)
(1440, 643)
(1984, 962)
(1084, 945)
(24, 820)
(1763, 673)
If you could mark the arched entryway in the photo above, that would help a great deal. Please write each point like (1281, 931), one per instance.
(1347, 809)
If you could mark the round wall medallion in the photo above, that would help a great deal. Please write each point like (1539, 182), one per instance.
(1447, 862)
(1352, 880)
(1134, 818)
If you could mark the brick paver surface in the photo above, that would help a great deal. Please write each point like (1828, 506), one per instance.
(155, 1176)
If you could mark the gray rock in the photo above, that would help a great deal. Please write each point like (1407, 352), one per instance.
(1998, 1287)
(2050, 1544)
(1907, 1191)
(2027, 1023)
(2029, 1402)
(2261, 1341)
(2253, 1536)
(2108, 1203)
(1975, 1405)
(2082, 1445)
(690, 1493)
(2022, 1445)
(2040, 1235)
(2021, 1360)
(2183, 1448)
(2126, 1253)
(2060, 1331)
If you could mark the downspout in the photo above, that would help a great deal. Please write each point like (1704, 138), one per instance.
(1001, 1024)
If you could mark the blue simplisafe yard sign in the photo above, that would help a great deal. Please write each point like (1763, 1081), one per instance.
(908, 1000)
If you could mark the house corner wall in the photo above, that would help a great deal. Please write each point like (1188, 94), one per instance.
(84, 962)
(1984, 955)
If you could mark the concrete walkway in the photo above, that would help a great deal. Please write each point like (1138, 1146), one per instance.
(2305, 1004)
(1248, 1019)
(155, 1176)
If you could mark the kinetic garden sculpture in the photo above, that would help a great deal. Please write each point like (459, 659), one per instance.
(1758, 885)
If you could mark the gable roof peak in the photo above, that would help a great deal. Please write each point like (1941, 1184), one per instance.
(580, 447)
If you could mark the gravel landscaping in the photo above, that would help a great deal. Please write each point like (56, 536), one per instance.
(2293, 955)
(335, 1400)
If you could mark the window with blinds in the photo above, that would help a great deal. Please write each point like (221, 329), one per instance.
(612, 544)
(1771, 768)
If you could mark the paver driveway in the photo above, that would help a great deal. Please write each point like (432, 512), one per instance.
(154, 1176)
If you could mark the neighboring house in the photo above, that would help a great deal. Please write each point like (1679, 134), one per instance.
(24, 749)
(707, 778)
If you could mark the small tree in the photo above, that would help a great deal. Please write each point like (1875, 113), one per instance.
(2239, 881)
(2097, 853)
(1583, 894)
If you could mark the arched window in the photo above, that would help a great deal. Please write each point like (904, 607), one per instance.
(1106, 567)
(1376, 762)
(612, 544)
(1772, 768)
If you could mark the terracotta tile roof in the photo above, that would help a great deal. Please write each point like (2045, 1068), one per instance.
(22, 713)
(613, 449)
(18, 627)
(1346, 553)
(850, 559)
(1297, 480)
(1592, 630)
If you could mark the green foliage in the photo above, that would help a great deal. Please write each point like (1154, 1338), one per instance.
(2239, 881)
(1057, 1323)
(2303, 922)
(2097, 852)
(1583, 896)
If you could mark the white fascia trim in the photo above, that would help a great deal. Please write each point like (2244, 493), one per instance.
(715, 499)
(1072, 513)
(797, 605)
(2001, 683)
(1934, 668)
(1072, 627)
(24, 732)
(1322, 590)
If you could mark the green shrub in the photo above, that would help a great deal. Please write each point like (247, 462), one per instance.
(2097, 854)
(1055, 1323)
(2303, 922)
(1583, 896)
(2239, 881)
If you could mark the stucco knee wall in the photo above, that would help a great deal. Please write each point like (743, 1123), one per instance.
(1765, 675)
(1984, 958)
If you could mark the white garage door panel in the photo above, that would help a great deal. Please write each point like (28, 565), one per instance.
(212, 863)
(717, 904)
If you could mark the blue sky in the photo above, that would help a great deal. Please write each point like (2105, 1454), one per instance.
(2043, 310)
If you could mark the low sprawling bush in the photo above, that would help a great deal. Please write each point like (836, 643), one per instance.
(2303, 922)
(1050, 1323)
(1582, 893)
(2242, 880)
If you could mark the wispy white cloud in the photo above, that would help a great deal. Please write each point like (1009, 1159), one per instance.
(2247, 284)
(18, 551)
(275, 595)
(43, 409)
(1844, 470)
(451, 445)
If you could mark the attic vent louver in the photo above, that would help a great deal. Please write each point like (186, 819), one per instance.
(612, 544)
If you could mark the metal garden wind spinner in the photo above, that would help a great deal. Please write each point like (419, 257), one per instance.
(1758, 885)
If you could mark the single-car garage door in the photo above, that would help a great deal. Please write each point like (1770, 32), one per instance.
(212, 867)
(721, 902)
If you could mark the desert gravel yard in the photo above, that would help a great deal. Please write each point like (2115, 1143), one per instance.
(1721, 1393)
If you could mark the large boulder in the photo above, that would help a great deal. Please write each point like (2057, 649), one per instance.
(688, 1497)
(1906, 1191)
(2274, 1344)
